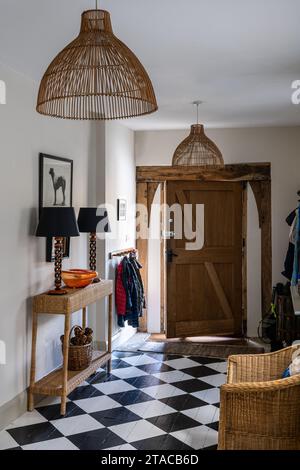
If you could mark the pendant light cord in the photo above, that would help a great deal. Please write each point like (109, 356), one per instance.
(96, 4)
(197, 104)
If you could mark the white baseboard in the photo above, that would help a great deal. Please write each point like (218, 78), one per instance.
(100, 345)
(13, 409)
(122, 336)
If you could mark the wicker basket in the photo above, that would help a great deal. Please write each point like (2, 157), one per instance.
(80, 357)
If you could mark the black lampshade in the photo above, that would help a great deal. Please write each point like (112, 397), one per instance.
(57, 222)
(88, 220)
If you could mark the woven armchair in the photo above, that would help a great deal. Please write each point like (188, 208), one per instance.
(259, 410)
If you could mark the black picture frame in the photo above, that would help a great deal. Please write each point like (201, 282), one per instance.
(63, 199)
(121, 210)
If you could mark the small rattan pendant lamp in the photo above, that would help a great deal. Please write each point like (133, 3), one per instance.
(96, 77)
(197, 149)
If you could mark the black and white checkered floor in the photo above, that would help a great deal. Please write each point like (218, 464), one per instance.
(149, 402)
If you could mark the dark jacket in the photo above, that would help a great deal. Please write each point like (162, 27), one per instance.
(289, 259)
(134, 289)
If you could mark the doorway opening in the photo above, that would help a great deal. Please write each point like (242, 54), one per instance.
(204, 291)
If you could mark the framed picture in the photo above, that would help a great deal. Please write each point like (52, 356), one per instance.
(122, 209)
(55, 190)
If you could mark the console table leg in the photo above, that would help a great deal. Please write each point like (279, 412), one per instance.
(110, 319)
(33, 361)
(84, 318)
(65, 366)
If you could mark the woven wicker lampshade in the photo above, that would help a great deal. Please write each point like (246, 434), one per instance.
(96, 77)
(197, 149)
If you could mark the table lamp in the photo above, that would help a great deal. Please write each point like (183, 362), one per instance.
(58, 223)
(88, 222)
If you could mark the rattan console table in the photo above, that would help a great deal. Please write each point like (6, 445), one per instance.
(61, 382)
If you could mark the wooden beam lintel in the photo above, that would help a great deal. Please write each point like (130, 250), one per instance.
(235, 172)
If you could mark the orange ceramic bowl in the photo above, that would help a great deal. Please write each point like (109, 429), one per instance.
(78, 278)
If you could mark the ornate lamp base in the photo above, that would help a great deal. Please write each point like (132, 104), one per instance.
(93, 248)
(58, 248)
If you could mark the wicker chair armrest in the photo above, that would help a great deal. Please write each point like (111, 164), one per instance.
(259, 367)
(259, 387)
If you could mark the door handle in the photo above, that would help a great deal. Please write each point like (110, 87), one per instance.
(170, 255)
(167, 235)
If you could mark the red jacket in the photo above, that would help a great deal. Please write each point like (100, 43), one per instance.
(120, 292)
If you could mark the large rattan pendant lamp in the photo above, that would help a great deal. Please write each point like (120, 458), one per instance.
(96, 77)
(197, 149)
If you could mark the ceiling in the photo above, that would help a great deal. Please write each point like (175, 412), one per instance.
(238, 56)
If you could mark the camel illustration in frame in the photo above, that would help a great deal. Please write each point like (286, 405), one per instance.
(55, 189)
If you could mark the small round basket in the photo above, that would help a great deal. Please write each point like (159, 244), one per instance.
(80, 357)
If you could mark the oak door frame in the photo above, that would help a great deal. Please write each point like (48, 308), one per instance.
(258, 175)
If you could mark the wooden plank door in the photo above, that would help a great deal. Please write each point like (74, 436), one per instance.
(204, 287)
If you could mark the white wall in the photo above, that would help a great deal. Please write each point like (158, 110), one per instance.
(104, 170)
(23, 271)
(96, 196)
(111, 177)
(120, 184)
(281, 147)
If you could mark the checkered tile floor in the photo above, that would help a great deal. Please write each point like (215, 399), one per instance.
(149, 402)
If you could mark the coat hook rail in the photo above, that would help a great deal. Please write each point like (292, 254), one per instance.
(125, 252)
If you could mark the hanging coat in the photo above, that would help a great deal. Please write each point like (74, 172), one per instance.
(129, 292)
(120, 292)
(141, 294)
(296, 252)
(289, 259)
